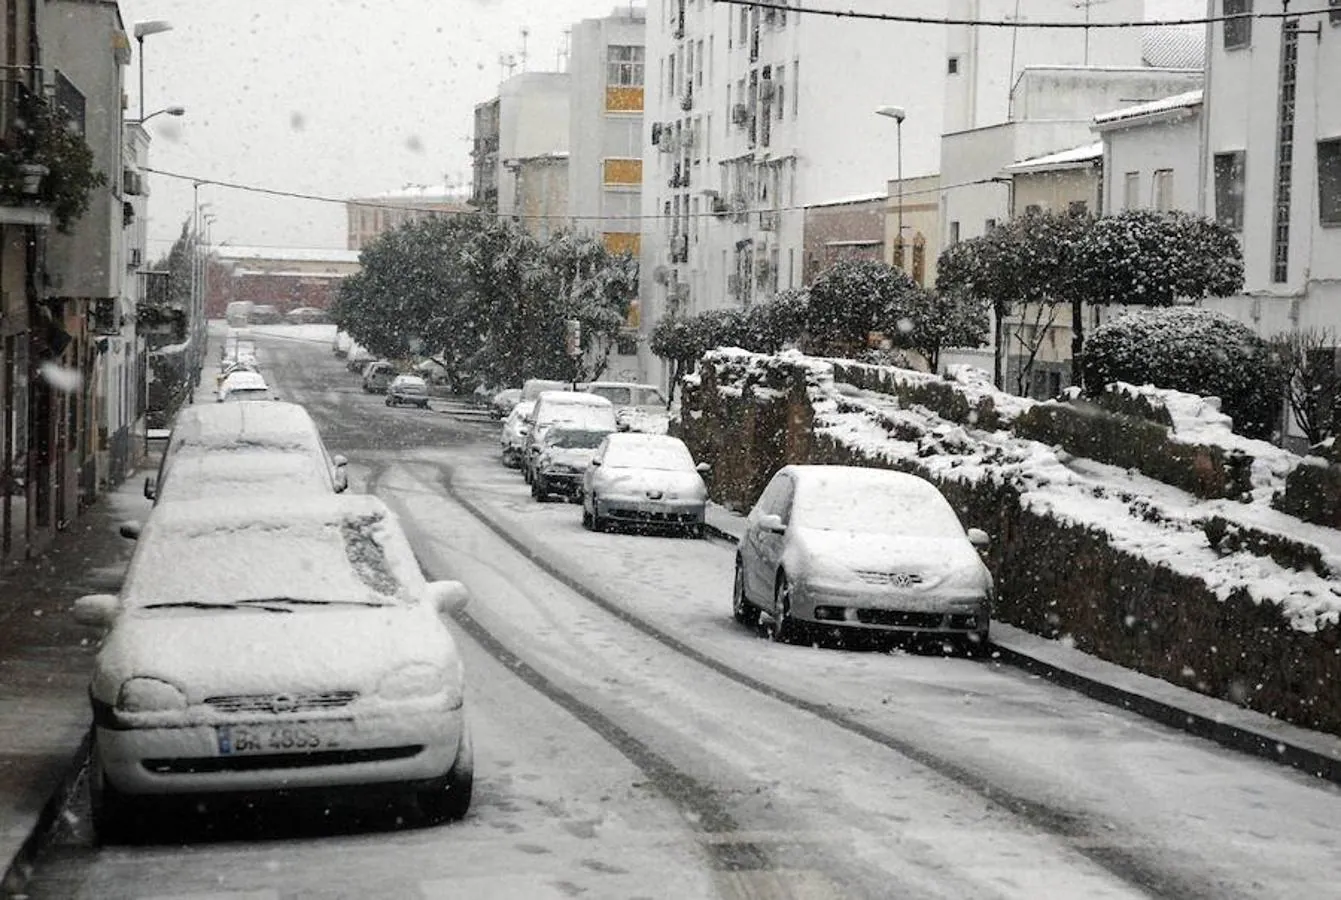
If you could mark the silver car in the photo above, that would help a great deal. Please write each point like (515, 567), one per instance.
(644, 479)
(841, 547)
(565, 454)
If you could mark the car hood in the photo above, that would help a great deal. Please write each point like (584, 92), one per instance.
(934, 562)
(207, 652)
(629, 482)
(570, 456)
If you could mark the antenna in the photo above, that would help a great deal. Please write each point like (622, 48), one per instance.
(506, 64)
(525, 33)
(561, 58)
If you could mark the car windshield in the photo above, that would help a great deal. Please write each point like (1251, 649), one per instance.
(833, 504)
(247, 394)
(574, 439)
(660, 456)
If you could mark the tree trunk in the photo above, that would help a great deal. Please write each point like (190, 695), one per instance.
(999, 347)
(1077, 342)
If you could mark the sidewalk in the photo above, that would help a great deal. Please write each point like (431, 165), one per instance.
(1225, 723)
(45, 660)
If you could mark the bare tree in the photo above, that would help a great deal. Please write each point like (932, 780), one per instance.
(1037, 319)
(1309, 359)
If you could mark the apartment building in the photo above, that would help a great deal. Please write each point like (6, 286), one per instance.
(520, 151)
(369, 217)
(754, 114)
(1271, 159)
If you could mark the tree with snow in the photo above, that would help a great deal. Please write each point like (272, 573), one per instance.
(850, 300)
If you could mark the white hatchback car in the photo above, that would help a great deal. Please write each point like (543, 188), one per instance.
(244, 384)
(280, 645)
(842, 547)
(644, 479)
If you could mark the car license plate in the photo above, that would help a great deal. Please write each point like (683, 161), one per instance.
(282, 737)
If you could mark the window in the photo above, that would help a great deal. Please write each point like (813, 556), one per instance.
(1334, 11)
(624, 67)
(1077, 208)
(952, 66)
(698, 73)
(1131, 190)
(1161, 192)
(779, 96)
(1238, 32)
(670, 76)
(796, 86)
(1329, 181)
(1229, 169)
(954, 233)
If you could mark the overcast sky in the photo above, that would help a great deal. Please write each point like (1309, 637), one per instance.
(330, 97)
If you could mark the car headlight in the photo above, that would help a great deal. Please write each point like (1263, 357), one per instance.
(416, 680)
(140, 694)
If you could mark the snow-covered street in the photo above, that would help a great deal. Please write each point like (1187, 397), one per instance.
(631, 740)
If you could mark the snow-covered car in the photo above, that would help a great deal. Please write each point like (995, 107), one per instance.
(276, 646)
(306, 315)
(565, 453)
(513, 437)
(244, 384)
(503, 402)
(377, 376)
(634, 402)
(573, 408)
(357, 357)
(644, 479)
(407, 389)
(842, 547)
(245, 448)
(231, 367)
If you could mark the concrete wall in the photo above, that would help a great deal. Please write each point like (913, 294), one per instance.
(1055, 191)
(542, 195)
(1145, 147)
(533, 121)
(843, 231)
(921, 203)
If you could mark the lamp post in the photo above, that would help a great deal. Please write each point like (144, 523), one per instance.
(898, 114)
(142, 31)
(167, 110)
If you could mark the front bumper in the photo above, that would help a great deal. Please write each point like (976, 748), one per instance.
(401, 742)
(646, 511)
(881, 609)
(562, 482)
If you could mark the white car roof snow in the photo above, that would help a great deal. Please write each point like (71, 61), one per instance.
(244, 380)
(572, 398)
(240, 425)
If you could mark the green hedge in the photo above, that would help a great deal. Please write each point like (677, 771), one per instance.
(1312, 493)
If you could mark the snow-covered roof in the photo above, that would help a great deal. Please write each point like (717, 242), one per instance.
(1174, 47)
(287, 273)
(1075, 158)
(428, 192)
(1178, 103)
(846, 201)
(287, 254)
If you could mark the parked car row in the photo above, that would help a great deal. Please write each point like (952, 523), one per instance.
(569, 443)
(285, 642)
(380, 376)
(630, 400)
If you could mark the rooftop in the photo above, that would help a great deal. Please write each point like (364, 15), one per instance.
(287, 254)
(1184, 101)
(1075, 158)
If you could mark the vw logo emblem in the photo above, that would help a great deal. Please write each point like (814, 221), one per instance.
(901, 579)
(283, 703)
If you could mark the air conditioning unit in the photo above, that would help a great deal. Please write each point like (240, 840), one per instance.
(134, 258)
(768, 219)
(740, 114)
(657, 130)
(766, 89)
(719, 206)
(661, 274)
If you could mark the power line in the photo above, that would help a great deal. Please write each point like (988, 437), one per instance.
(318, 198)
(1012, 23)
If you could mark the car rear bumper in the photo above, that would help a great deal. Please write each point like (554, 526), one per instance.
(404, 747)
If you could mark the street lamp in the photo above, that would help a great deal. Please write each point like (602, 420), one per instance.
(898, 114)
(167, 110)
(142, 31)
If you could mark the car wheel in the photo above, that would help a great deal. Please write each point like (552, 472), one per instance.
(742, 610)
(538, 488)
(785, 629)
(597, 522)
(451, 801)
(388, 401)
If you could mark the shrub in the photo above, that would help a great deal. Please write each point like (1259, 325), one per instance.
(1199, 351)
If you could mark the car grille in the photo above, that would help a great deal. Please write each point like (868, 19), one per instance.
(208, 764)
(894, 618)
(280, 702)
(896, 579)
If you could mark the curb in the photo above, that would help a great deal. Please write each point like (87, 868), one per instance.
(19, 869)
(1233, 737)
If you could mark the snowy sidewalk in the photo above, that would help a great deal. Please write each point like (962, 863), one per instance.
(45, 660)
(1225, 723)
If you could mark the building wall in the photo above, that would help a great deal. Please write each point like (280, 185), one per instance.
(370, 217)
(991, 59)
(921, 226)
(1055, 191)
(533, 122)
(842, 231)
(1144, 147)
(484, 157)
(541, 195)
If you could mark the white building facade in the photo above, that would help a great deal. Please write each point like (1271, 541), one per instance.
(1271, 163)
(533, 124)
(1152, 155)
(754, 114)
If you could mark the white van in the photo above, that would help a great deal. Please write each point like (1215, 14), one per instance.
(575, 408)
(238, 313)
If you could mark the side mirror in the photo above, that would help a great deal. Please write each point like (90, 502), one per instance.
(595, 463)
(341, 479)
(772, 522)
(449, 597)
(338, 460)
(150, 488)
(703, 468)
(978, 538)
(130, 530)
(97, 609)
